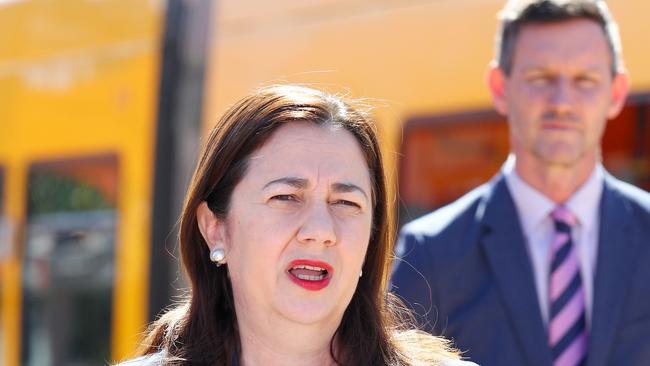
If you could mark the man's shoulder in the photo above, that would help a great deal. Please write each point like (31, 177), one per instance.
(446, 217)
(637, 197)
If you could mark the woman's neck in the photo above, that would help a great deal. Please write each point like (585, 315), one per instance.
(281, 342)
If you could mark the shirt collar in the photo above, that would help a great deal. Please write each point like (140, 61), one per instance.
(585, 202)
(534, 207)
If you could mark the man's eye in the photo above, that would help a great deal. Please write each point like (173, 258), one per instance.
(586, 82)
(540, 80)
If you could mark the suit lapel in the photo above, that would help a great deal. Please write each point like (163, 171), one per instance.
(616, 253)
(504, 246)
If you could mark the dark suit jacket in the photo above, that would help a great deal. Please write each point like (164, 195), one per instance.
(465, 270)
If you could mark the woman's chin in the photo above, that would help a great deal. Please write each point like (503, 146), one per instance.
(307, 312)
(310, 311)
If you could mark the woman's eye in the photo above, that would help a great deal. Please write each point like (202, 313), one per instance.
(284, 197)
(347, 203)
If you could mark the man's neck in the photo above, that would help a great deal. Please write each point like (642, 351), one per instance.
(556, 181)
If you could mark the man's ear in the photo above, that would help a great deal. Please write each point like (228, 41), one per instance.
(496, 82)
(212, 228)
(619, 89)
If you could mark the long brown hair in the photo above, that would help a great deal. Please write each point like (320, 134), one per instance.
(203, 329)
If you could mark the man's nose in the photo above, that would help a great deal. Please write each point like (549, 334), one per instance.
(562, 95)
(318, 226)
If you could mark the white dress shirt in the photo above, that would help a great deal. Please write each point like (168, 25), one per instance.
(534, 210)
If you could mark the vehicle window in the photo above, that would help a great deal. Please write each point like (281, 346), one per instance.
(443, 158)
(626, 144)
(68, 262)
(2, 190)
(5, 244)
(5, 239)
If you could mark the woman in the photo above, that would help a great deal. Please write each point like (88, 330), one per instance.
(286, 238)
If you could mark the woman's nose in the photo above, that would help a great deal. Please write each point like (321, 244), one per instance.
(317, 226)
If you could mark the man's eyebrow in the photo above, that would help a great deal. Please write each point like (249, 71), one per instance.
(546, 69)
(347, 187)
(538, 68)
(299, 183)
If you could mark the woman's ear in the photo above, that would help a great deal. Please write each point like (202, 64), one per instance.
(212, 228)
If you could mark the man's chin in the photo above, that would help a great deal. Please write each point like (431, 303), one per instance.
(561, 159)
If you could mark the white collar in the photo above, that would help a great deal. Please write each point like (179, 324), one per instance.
(534, 207)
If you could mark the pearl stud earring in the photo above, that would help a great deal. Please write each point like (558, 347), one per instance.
(218, 256)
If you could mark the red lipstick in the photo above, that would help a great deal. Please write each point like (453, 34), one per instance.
(309, 274)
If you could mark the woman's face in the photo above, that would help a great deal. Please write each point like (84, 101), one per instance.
(299, 224)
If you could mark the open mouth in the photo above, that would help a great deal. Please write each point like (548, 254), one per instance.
(309, 274)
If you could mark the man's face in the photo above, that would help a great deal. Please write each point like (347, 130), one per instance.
(560, 92)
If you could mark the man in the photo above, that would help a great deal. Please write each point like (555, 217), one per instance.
(549, 262)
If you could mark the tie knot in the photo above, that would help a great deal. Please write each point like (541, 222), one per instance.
(562, 215)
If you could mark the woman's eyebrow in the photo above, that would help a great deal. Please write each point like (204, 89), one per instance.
(302, 183)
(299, 183)
(347, 187)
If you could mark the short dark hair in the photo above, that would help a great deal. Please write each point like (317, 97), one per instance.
(518, 13)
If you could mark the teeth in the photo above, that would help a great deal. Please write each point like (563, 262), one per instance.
(311, 268)
(310, 278)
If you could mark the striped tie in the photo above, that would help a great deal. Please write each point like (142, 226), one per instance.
(567, 328)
